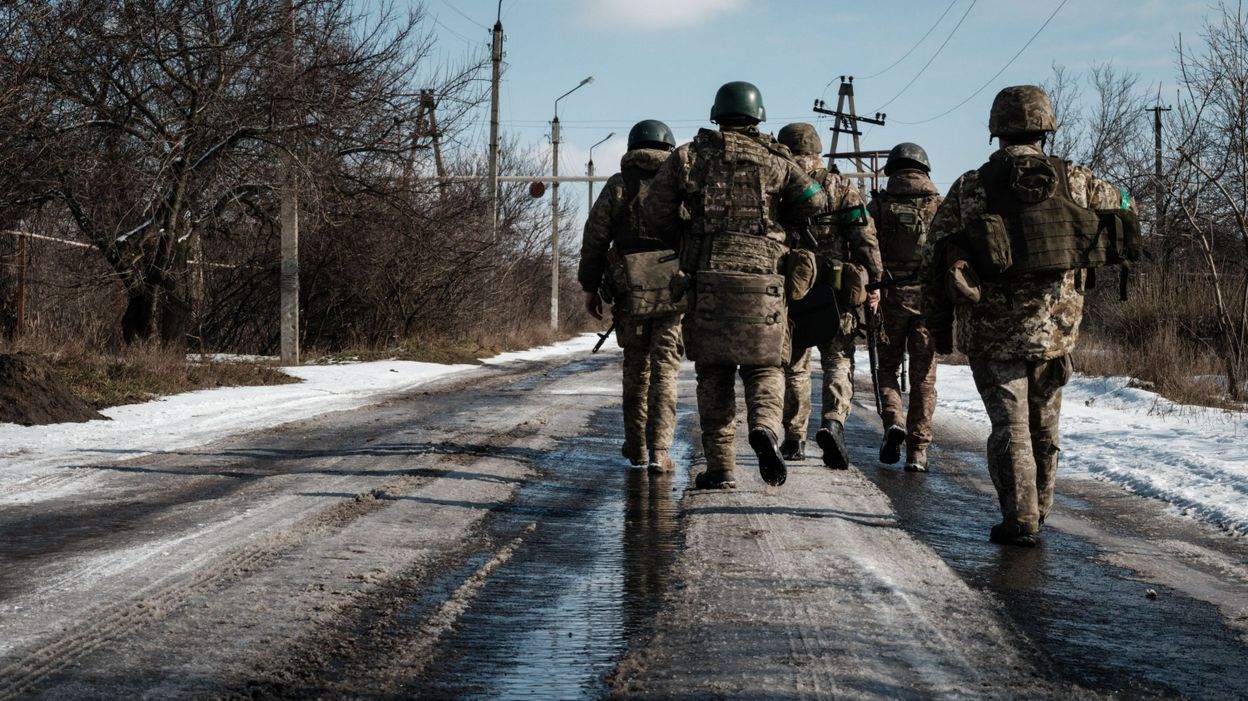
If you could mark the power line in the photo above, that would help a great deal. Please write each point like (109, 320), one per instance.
(452, 31)
(461, 14)
(906, 55)
(930, 60)
(994, 75)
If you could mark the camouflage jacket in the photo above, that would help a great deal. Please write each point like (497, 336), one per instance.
(843, 240)
(910, 183)
(597, 238)
(1035, 317)
(789, 195)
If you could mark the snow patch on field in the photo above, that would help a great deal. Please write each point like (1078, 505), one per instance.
(32, 457)
(1194, 458)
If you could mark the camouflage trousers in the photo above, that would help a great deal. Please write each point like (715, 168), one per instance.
(837, 359)
(652, 352)
(904, 331)
(1024, 402)
(717, 407)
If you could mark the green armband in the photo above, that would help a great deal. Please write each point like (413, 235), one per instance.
(809, 192)
(1124, 200)
(854, 215)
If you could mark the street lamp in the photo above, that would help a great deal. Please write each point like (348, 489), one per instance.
(589, 169)
(554, 207)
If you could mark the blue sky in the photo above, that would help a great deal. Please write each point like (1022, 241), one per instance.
(664, 59)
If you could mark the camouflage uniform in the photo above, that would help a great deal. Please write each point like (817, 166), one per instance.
(857, 244)
(1018, 338)
(788, 195)
(652, 346)
(903, 327)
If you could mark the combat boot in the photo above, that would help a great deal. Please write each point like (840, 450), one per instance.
(831, 438)
(660, 462)
(890, 449)
(916, 460)
(1012, 534)
(793, 449)
(770, 463)
(715, 480)
(636, 454)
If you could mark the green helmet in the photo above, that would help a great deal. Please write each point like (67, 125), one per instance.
(738, 98)
(651, 133)
(1021, 109)
(801, 138)
(907, 155)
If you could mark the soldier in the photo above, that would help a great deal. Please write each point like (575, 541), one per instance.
(652, 344)
(1002, 250)
(849, 236)
(903, 215)
(739, 188)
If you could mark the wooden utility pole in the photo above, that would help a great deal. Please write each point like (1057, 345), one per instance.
(496, 59)
(846, 122)
(19, 327)
(290, 211)
(1158, 225)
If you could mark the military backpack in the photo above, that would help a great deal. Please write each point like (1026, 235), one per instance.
(642, 267)
(902, 230)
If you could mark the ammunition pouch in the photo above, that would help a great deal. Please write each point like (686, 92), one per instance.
(800, 272)
(647, 290)
(737, 318)
(853, 289)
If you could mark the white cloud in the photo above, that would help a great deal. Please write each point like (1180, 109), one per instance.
(659, 14)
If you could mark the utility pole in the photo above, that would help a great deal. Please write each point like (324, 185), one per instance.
(20, 326)
(496, 58)
(1157, 109)
(847, 123)
(589, 168)
(554, 207)
(290, 212)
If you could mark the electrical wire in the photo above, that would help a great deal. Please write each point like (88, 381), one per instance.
(906, 55)
(994, 75)
(463, 38)
(461, 14)
(929, 61)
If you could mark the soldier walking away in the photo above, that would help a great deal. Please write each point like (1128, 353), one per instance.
(1010, 252)
(903, 215)
(845, 234)
(740, 189)
(616, 244)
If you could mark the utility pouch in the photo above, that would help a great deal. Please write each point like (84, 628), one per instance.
(1120, 229)
(962, 284)
(988, 241)
(649, 284)
(800, 272)
(830, 270)
(853, 289)
(737, 319)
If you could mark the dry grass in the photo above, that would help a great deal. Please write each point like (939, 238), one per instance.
(141, 373)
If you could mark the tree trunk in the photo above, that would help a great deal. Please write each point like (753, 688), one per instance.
(156, 294)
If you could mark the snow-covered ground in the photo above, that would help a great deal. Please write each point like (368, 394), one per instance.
(194, 418)
(1195, 458)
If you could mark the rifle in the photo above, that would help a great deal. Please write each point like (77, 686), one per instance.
(602, 337)
(872, 332)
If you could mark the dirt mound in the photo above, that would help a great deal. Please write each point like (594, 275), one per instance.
(31, 395)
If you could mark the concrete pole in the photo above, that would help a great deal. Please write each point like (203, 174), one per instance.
(496, 58)
(22, 258)
(290, 217)
(554, 224)
(589, 171)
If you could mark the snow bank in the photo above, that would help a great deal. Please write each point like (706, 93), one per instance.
(1195, 458)
(195, 418)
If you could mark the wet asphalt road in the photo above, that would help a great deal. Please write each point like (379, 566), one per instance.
(483, 539)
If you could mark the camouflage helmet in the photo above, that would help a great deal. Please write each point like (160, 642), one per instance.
(738, 98)
(1021, 109)
(800, 137)
(907, 155)
(650, 133)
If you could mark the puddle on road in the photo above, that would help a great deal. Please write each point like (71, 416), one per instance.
(556, 618)
(1090, 620)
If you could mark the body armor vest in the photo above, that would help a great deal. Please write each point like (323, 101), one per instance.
(902, 231)
(1032, 224)
(628, 232)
